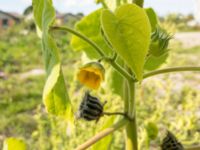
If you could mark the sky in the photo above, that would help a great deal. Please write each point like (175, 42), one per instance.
(162, 7)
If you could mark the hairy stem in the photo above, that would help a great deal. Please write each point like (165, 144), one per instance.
(168, 70)
(102, 134)
(98, 49)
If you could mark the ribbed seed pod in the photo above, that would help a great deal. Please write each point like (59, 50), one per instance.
(171, 143)
(90, 108)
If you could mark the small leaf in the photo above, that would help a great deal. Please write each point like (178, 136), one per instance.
(128, 30)
(152, 130)
(152, 18)
(90, 27)
(55, 95)
(14, 144)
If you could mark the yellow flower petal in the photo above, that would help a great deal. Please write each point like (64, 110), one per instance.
(91, 75)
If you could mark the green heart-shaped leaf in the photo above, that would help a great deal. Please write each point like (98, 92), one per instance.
(128, 30)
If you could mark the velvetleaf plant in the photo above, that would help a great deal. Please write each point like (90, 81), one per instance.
(122, 34)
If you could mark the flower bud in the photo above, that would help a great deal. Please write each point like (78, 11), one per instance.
(159, 42)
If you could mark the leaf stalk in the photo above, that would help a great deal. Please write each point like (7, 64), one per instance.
(102, 134)
(169, 70)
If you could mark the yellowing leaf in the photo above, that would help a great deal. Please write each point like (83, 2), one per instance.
(55, 95)
(128, 30)
(14, 144)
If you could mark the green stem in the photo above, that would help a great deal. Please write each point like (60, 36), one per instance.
(125, 95)
(80, 36)
(117, 113)
(102, 134)
(122, 71)
(104, 4)
(168, 70)
(118, 2)
(131, 128)
(139, 2)
(114, 57)
(132, 99)
(98, 49)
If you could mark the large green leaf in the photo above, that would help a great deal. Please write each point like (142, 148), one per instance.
(152, 18)
(14, 144)
(104, 144)
(55, 95)
(90, 27)
(128, 30)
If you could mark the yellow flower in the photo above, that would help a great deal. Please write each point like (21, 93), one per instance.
(91, 75)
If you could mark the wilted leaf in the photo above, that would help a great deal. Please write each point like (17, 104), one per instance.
(128, 30)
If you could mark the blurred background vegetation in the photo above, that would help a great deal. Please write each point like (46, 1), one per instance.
(170, 101)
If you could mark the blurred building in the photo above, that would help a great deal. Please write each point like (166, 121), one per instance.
(8, 19)
(63, 18)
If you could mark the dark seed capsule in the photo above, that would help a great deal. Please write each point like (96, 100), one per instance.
(90, 108)
(171, 143)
